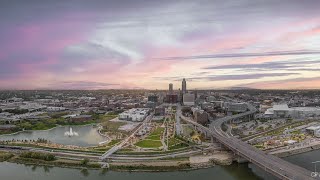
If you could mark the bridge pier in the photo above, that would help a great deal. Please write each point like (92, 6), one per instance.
(241, 160)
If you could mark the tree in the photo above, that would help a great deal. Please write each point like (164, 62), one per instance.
(52, 121)
(26, 125)
(40, 125)
(85, 161)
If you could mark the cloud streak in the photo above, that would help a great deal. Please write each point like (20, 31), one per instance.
(234, 77)
(80, 85)
(243, 55)
(279, 65)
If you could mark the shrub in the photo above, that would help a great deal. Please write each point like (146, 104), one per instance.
(38, 155)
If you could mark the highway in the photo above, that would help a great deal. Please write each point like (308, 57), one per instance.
(272, 164)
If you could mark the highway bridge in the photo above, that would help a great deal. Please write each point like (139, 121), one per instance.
(270, 163)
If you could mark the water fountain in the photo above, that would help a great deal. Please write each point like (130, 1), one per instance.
(71, 133)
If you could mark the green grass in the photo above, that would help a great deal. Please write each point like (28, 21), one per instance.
(5, 156)
(56, 149)
(154, 137)
(153, 140)
(175, 143)
(58, 163)
(113, 142)
(157, 131)
(149, 144)
(155, 151)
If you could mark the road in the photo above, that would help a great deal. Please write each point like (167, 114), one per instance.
(178, 120)
(272, 164)
(126, 140)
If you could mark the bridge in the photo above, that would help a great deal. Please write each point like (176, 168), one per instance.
(270, 163)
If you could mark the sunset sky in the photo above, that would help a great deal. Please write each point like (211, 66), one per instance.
(91, 44)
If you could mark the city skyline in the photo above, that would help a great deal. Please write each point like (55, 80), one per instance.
(149, 44)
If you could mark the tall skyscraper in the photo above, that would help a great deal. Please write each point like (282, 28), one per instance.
(170, 88)
(184, 86)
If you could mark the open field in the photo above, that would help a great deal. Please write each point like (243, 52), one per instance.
(153, 140)
(149, 144)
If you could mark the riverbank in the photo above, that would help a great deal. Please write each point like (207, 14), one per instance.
(204, 161)
(165, 164)
(296, 150)
(64, 163)
(151, 166)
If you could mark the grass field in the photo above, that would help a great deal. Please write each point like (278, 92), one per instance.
(157, 131)
(175, 143)
(154, 137)
(153, 140)
(149, 144)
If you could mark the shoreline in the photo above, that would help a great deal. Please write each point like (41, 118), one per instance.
(145, 166)
(291, 152)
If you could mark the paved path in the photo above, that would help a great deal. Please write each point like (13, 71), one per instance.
(126, 140)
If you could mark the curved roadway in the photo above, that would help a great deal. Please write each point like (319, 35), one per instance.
(272, 164)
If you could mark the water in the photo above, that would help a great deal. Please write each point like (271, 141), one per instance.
(235, 171)
(22, 172)
(305, 160)
(88, 135)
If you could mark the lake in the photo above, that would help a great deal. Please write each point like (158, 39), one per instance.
(88, 135)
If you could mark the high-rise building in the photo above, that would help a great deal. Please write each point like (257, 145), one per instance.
(170, 88)
(184, 86)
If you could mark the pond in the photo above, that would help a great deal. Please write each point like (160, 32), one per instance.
(87, 135)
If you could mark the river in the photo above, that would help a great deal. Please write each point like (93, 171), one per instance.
(235, 171)
(22, 172)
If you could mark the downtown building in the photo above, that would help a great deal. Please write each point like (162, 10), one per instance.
(188, 99)
(283, 111)
(171, 97)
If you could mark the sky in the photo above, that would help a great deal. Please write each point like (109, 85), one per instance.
(112, 44)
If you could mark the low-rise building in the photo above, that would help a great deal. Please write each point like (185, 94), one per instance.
(135, 114)
(283, 111)
(236, 107)
(159, 111)
(55, 109)
(201, 117)
(188, 99)
(153, 98)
